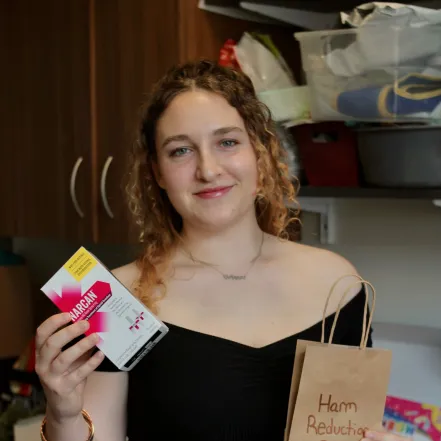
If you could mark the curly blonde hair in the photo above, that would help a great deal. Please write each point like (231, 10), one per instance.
(159, 224)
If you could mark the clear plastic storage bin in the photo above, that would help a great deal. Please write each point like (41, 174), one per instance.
(373, 73)
(290, 104)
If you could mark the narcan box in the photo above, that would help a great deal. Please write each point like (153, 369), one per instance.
(88, 290)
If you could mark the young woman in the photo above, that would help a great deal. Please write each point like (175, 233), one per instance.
(208, 189)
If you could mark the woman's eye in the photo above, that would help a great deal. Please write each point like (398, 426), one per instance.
(179, 151)
(228, 143)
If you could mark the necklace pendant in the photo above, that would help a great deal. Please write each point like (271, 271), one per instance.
(233, 277)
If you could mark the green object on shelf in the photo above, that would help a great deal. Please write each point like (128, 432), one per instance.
(351, 123)
(7, 258)
(16, 411)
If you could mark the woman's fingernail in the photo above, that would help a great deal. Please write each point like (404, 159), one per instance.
(370, 435)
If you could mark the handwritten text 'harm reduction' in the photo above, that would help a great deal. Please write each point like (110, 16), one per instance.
(323, 423)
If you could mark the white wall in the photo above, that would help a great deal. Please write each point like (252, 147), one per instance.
(396, 245)
(416, 371)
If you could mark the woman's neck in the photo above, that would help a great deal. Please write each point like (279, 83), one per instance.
(235, 245)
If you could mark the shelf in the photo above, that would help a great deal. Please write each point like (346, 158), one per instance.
(409, 334)
(370, 193)
(306, 14)
(324, 6)
(231, 8)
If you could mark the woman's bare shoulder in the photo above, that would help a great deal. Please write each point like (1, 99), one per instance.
(315, 257)
(327, 261)
(127, 274)
(321, 268)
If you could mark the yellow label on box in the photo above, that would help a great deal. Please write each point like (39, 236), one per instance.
(80, 264)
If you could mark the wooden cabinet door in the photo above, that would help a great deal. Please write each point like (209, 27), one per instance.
(10, 92)
(135, 42)
(52, 132)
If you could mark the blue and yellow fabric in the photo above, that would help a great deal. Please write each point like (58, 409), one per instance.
(414, 94)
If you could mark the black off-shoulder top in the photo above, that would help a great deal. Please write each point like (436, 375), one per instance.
(198, 387)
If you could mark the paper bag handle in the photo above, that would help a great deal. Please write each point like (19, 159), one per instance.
(365, 330)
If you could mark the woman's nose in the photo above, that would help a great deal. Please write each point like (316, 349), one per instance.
(208, 167)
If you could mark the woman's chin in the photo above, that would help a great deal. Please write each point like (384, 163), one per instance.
(218, 217)
(215, 221)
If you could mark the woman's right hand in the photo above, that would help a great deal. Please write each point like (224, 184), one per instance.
(63, 374)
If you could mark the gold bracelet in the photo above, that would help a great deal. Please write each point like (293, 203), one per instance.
(86, 417)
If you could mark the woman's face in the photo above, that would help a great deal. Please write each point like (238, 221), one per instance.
(206, 162)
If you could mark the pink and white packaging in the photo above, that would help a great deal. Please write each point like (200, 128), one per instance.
(86, 289)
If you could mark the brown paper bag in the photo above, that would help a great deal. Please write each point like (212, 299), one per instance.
(337, 392)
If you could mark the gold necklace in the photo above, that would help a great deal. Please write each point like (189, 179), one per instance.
(232, 277)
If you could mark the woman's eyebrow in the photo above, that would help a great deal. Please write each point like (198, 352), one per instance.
(220, 131)
(224, 130)
(170, 139)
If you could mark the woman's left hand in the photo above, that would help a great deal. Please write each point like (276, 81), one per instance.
(372, 435)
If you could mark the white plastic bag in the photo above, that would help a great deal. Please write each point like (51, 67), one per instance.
(409, 38)
(263, 68)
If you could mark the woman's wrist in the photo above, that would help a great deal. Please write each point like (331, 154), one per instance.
(56, 420)
(75, 428)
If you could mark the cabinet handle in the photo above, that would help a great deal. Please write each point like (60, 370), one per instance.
(103, 187)
(73, 180)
